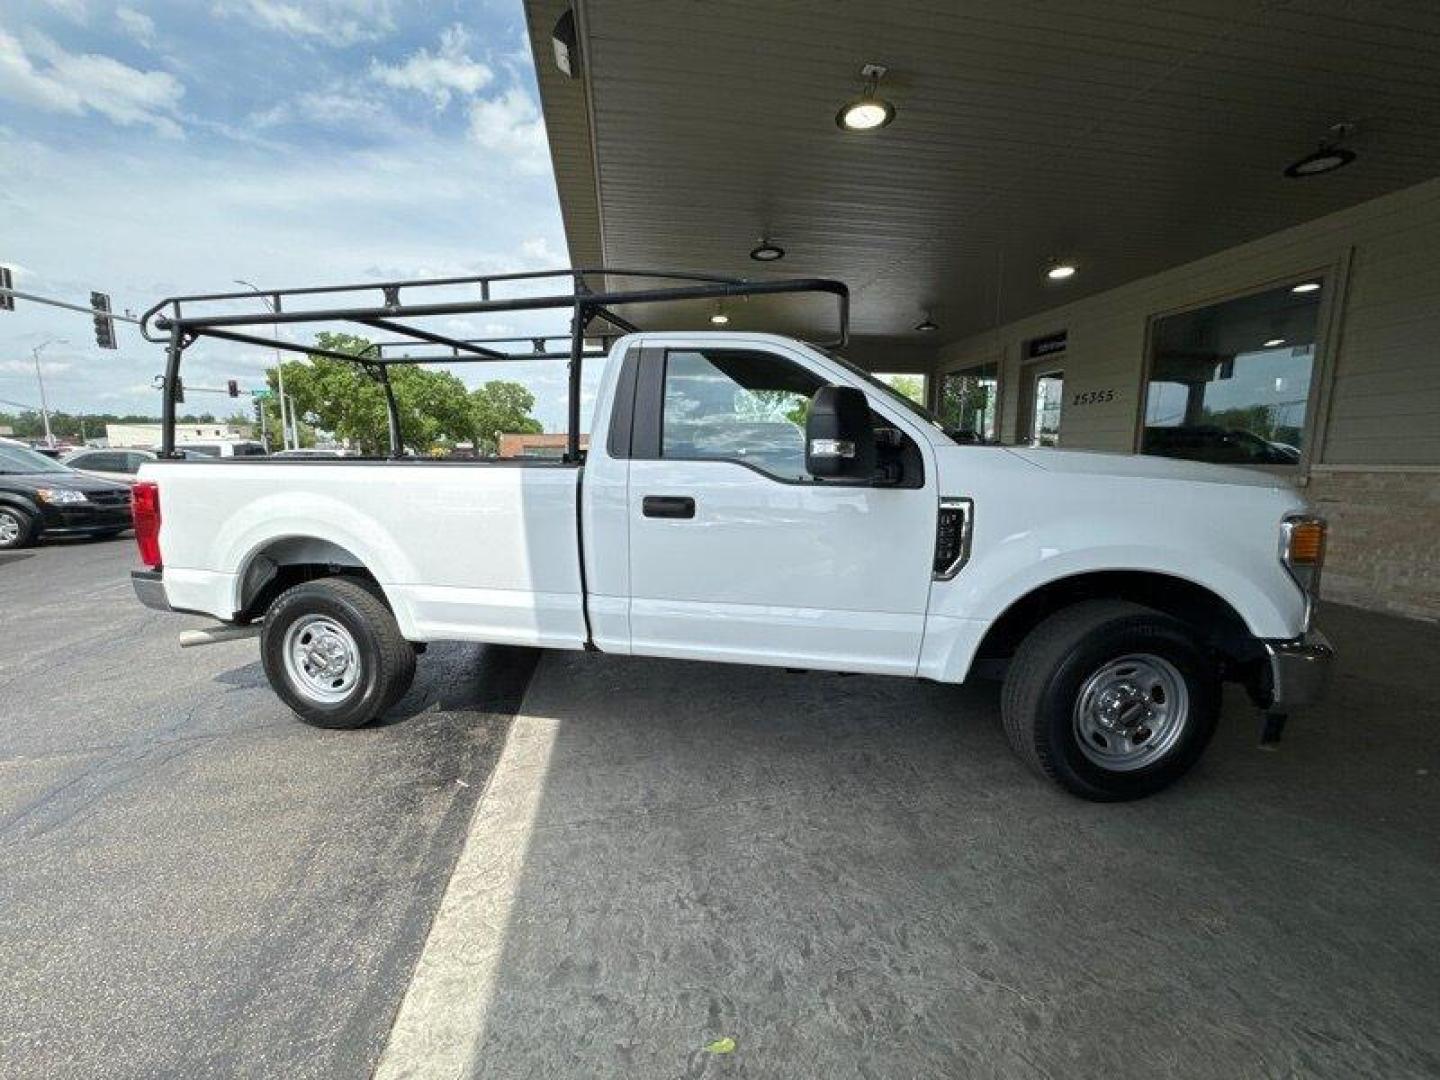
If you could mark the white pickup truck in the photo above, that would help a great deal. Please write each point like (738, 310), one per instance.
(750, 499)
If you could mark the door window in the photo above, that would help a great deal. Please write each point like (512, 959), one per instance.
(734, 405)
(105, 462)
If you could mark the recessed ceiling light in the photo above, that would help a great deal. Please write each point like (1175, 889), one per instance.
(1273, 342)
(719, 318)
(1306, 286)
(1057, 270)
(869, 111)
(927, 326)
(1328, 158)
(767, 251)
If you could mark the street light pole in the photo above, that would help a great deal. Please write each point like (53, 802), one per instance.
(279, 371)
(39, 378)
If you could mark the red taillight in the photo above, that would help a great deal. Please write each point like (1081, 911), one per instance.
(145, 510)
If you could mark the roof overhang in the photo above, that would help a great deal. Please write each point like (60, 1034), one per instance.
(1128, 138)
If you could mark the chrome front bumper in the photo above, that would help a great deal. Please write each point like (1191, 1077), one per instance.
(1299, 670)
(150, 589)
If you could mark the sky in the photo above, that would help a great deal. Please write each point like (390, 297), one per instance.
(154, 149)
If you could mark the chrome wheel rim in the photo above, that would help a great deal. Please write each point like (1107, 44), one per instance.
(321, 659)
(9, 529)
(1131, 712)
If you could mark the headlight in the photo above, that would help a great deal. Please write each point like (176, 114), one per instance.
(60, 496)
(1302, 550)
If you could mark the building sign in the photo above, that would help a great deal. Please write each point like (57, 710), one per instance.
(1045, 346)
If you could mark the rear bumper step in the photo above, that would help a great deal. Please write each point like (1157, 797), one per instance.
(149, 589)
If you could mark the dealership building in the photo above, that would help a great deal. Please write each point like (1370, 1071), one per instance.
(1209, 230)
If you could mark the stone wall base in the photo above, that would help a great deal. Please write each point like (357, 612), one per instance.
(1384, 547)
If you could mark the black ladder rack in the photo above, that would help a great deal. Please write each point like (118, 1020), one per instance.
(176, 323)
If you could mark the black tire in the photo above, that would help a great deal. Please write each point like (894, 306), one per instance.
(1056, 661)
(19, 530)
(386, 660)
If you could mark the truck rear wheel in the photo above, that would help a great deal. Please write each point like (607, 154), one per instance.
(1111, 700)
(334, 653)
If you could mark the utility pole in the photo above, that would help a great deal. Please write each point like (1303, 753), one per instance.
(39, 378)
(285, 428)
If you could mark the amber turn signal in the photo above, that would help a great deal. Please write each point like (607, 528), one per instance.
(1307, 543)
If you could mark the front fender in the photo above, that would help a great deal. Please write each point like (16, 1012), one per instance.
(1238, 564)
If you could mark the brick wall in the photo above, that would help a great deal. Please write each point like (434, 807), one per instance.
(1384, 549)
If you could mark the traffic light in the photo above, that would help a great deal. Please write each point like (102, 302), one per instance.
(233, 388)
(104, 323)
(7, 302)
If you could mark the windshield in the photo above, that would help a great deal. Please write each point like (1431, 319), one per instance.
(18, 459)
(890, 392)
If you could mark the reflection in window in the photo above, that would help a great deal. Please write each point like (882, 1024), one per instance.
(968, 402)
(740, 406)
(1230, 383)
(912, 386)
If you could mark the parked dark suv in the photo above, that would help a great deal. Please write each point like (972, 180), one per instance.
(41, 497)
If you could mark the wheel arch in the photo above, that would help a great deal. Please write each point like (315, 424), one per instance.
(1219, 625)
(19, 502)
(276, 564)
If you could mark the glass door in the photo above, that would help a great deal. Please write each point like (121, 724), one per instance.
(1045, 395)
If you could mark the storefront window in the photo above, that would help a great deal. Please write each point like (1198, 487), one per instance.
(1230, 383)
(968, 401)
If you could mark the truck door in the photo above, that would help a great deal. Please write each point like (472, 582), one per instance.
(736, 552)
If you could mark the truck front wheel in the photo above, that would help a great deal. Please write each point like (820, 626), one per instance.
(334, 653)
(1111, 700)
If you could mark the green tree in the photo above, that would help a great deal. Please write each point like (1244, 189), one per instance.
(497, 408)
(345, 400)
(912, 386)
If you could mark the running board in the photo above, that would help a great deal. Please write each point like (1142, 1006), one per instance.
(189, 639)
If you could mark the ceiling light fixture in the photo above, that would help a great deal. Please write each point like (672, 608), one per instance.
(1328, 158)
(1273, 342)
(767, 251)
(1059, 270)
(1306, 286)
(869, 111)
(566, 44)
(719, 318)
(927, 325)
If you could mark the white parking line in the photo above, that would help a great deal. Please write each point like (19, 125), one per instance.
(443, 1016)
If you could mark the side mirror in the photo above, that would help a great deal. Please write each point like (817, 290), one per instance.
(839, 435)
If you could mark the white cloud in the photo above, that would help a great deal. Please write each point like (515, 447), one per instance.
(74, 10)
(540, 254)
(511, 125)
(137, 24)
(74, 82)
(439, 74)
(335, 106)
(26, 368)
(332, 22)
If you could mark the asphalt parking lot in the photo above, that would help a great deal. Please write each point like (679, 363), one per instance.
(846, 877)
(192, 883)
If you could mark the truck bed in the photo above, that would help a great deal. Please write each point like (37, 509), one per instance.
(485, 551)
